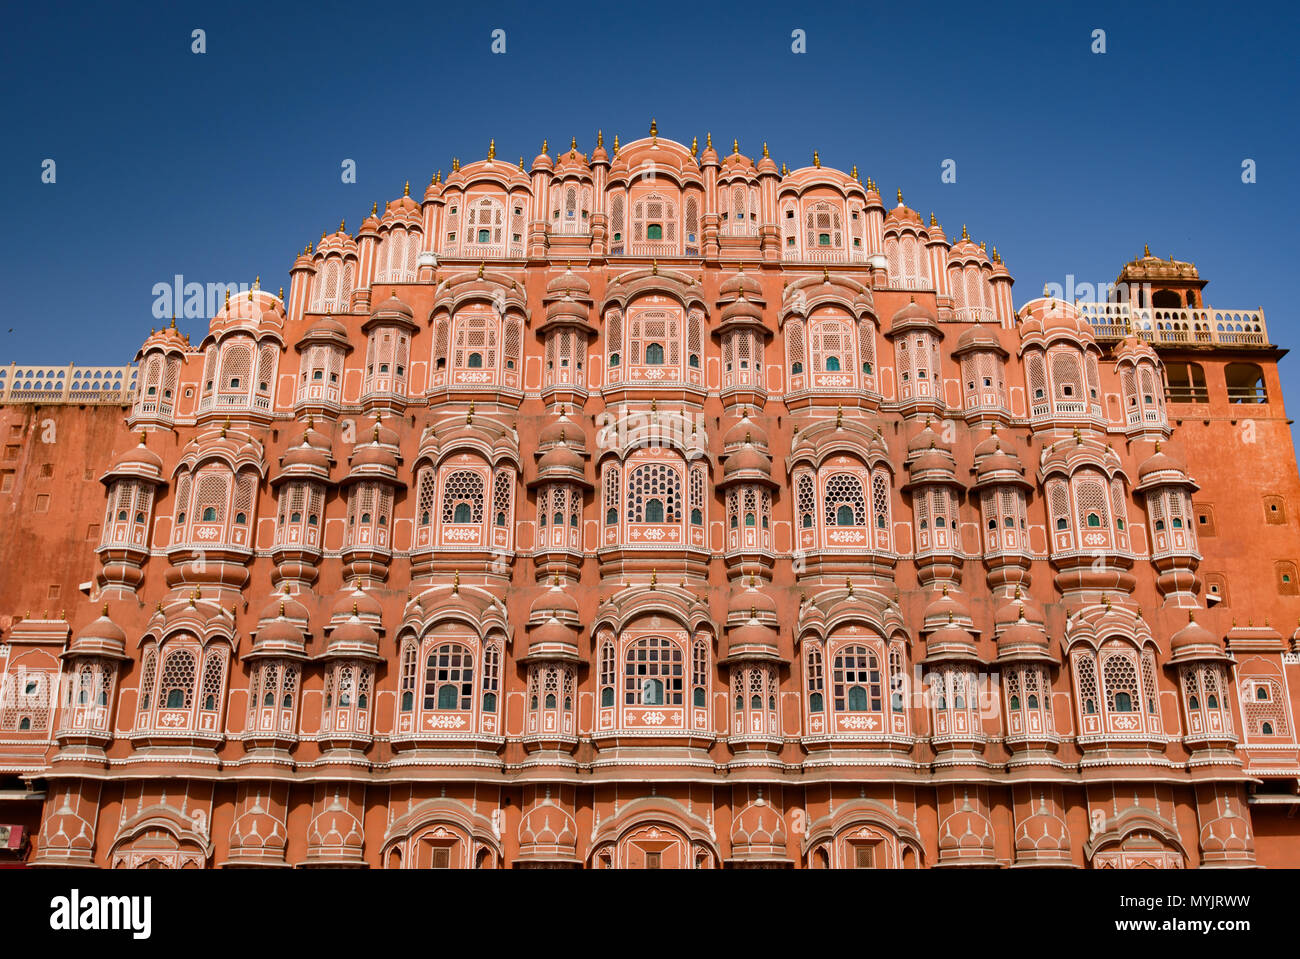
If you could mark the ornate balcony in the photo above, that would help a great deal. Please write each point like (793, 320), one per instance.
(1207, 326)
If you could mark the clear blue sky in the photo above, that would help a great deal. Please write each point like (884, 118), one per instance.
(222, 166)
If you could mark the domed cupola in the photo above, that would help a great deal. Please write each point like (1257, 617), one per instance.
(101, 638)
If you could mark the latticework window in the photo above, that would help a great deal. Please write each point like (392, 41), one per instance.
(845, 501)
(654, 494)
(462, 497)
(176, 686)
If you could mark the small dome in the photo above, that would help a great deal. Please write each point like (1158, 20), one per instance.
(740, 282)
(747, 460)
(374, 456)
(751, 603)
(562, 430)
(743, 431)
(925, 440)
(556, 602)
(392, 308)
(568, 283)
(282, 634)
(1159, 462)
(978, 338)
(914, 314)
(284, 605)
(139, 461)
(354, 636)
(1194, 641)
(101, 637)
(560, 458)
(365, 604)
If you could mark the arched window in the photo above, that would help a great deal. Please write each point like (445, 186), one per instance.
(449, 677)
(654, 354)
(654, 673)
(857, 680)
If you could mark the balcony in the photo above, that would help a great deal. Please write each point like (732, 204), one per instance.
(1207, 326)
(68, 385)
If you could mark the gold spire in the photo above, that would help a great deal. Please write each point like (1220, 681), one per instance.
(227, 298)
(654, 578)
(695, 146)
(469, 414)
(900, 197)
(654, 129)
(406, 190)
(455, 583)
(735, 146)
(492, 149)
(600, 138)
(343, 225)
(964, 234)
(480, 269)
(848, 583)
(374, 207)
(933, 221)
(615, 144)
(765, 153)
(785, 171)
(544, 144)
(573, 144)
(1146, 249)
(854, 172)
(817, 159)
(708, 140)
(521, 164)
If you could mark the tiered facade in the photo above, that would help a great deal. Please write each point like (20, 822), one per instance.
(656, 508)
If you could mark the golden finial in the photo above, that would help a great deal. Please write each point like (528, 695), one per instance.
(654, 578)
(455, 582)
(817, 159)
(900, 197)
(854, 172)
(492, 149)
(279, 296)
(615, 144)
(406, 190)
(173, 326)
(374, 209)
(521, 164)
(600, 138)
(654, 129)
(784, 170)
(544, 145)
(1146, 249)
(765, 153)
(257, 282)
(143, 436)
(848, 583)
(227, 299)
(480, 269)
(322, 236)
(708, 140)
(735, 146)
(839, 416)
(996, 258)
(106, 609)
(695, 146)
(1078, 437)
(982, 246)
(343, 225)
(469, 414)
(654, 269)
(964, 234)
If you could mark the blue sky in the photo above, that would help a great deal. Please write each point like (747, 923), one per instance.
(221, 166)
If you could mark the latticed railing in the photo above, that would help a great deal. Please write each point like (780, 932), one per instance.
(1177, 327)
(71, 384)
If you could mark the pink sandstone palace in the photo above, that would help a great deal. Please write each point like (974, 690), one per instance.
(656, 508)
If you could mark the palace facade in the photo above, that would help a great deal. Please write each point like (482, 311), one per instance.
(656, 508)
